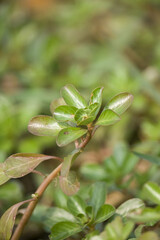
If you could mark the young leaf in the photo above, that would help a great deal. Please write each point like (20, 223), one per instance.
(69, 184)
(150, 158)
(98, 196)
(44, 126)
(104, 213)
(20, 164)
(8, 219)
(130, 206)
(69, 135)
(72, 97)
(76, 205)
(120, 103)
(151, 191)
(65, 113)
(96, 96)
(3, 177)
(64, 230)
(56, 103)
(107, 117)
(83, 117)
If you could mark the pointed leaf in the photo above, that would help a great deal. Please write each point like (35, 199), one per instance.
(120, 103)
(104, 213)
(69, 184)
(83, 117)
(56, 103)
(98, 196)
(63, 230)
(107, 117)
(150, 158)
(69, 135)
(130, 206)
(76, 205)
(151, 191)
(96, 96)
(68, 161)
(72, 97)
(7, 221)
(65, 113)
(20, 164)
(3, 177)
(44, 126)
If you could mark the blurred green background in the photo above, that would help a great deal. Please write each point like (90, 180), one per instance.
(45, 44)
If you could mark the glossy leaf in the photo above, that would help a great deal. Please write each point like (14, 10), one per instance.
(56, 103)
(7, 221)
(76, 205)
(146, 216)
(69, 135)
(20, 164)
(107, 117)
(44, 126)
(150, 158)
(96, 96)
(83, 117)
(65, 113)
(130, 206)
(63, 230)
(69, 184)
(3, 177)
(120, 103)
(151, 191)
(98, 196)
(104, 213)
(72, 97)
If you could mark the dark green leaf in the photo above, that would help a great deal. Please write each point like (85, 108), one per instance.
(76, 205)
(130, 206)
(63, 230)
(65, 113)
(151, 191)
(120, 103)
(44, 126)
(83, 117)
(107, 117)
(72, 97)
(98, 196)
(69, 135)
(104, 213)
(20, 164)
(152, 159)
(3, 177)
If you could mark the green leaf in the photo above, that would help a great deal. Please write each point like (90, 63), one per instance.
(7, 221)
(107, 117)
(72, 97)
(65, 113)
(104, 213)
(3, 177)
(20, 164)
(68, 161)
(152, 159)
(76, 205)
(83, 117)
(130, 206)
(120, 103)
(96, 96)
(148, 236)
(64, 230)
(151, 191)
(69, 184)
(93, 171)
(69, 135)
(44, 126)
(146, 216)
(98, 196)
(56, 103)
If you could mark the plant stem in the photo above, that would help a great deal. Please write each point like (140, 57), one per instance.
(33, 204)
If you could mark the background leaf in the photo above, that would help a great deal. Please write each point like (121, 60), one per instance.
(150, 158)
(69, 184)
(76, 205)
(44, 126)
(69, 135)
(151, 191)
(72, 97)
(20, 164)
